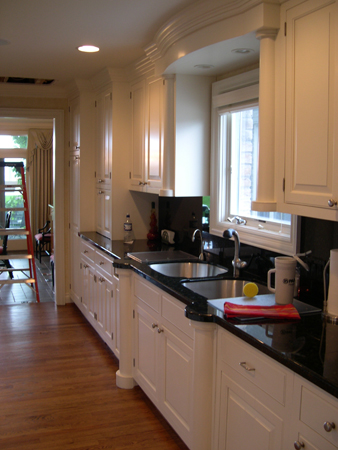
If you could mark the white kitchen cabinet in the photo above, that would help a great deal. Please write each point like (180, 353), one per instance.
(314, 412)
(171, 136)
(311, 98)
(81, 177)
(104, 137)
(163, 355)
(147, 135)
(100, 295)
(253, 400)
(104, 211)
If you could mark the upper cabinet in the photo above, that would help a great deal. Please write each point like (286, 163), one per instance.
(104, 137)
(147, 135)
(311, 151)
(171, 136)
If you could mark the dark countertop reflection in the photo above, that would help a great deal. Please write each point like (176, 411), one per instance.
(308, 347)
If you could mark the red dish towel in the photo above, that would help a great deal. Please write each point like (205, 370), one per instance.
(274, 311)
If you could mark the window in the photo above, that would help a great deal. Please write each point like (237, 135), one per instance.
(234, 170)
(15, 145)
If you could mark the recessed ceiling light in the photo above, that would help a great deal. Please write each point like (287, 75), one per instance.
(88, 48)
(242, 50)
(204, 66)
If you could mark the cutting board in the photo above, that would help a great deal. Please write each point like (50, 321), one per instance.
(263, 300)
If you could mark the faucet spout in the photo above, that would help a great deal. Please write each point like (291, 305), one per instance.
(237, 263)
(201, 255)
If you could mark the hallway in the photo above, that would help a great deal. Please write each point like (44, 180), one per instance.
(58, 390)
(14, 294)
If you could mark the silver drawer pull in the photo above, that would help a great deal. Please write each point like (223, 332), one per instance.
(160, 330)
(246, 367)
(101, 263)
(154, 325)
(298, 445)
(329, 426)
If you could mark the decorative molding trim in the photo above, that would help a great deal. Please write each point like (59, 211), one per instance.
(103, 79)
(195, 18)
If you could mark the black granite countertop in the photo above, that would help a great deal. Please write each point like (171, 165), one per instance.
(308, 347)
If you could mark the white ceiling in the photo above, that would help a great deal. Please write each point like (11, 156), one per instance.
(39, 38)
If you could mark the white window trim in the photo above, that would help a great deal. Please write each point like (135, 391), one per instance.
(241, 88)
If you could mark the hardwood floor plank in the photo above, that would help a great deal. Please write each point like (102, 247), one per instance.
(58, 388)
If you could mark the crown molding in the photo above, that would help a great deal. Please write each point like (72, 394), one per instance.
(108, 75)
(195, 18)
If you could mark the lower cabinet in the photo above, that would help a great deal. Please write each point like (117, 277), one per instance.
(315, 418)
(251, 405)
(100, 295)
(163, 355)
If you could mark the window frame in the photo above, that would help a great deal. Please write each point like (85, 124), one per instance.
(230, 94)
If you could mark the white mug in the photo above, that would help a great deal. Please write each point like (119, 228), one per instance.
(285, 272)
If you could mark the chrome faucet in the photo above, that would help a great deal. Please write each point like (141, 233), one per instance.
(201, 256)
(236, 262)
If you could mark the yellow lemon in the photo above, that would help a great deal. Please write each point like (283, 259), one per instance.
(250, 289)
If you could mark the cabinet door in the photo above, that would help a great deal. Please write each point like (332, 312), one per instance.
(146, 352)
(154, 135)
(75, 281)
(245, 423)
(104, 138)
(74, 191)
(104, 212)
(138, 134)
(311, 83)
(176, 361)
(88, 287)
(74, 111)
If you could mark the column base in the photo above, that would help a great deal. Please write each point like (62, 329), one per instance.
(124, 382)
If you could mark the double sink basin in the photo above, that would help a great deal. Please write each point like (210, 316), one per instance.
(209, 287)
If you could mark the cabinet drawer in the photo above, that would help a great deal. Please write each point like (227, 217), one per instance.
(315, 410)
(88, 251)
(173, 312)
(104, 263)
(150, 296)
(262, 371)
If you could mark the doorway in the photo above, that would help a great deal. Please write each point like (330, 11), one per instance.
(57, 116)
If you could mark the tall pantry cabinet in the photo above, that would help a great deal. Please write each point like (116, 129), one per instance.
(81, 175)
(112, 134)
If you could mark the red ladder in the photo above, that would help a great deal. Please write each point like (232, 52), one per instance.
(30, 280)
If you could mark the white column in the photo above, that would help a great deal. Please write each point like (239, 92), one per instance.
(168, 137)
(265, 197)
(203, 377)
(124, 376)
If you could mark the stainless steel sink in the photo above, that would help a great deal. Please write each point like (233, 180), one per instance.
(188, 269)
(221, 288)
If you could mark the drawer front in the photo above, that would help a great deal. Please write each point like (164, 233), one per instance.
(150, 296)
(104, 263)
(262, 371)
(315, 411)
(173, 312)
(88, 251)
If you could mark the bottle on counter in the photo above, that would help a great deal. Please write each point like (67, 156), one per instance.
(128, 231)
(153, 234)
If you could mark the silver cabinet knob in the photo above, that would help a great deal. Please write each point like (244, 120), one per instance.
(332, 203)
(298, 445)
(160, 330)
(154, 325)
(329, 426)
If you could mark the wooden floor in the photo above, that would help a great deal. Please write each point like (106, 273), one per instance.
(58, 390)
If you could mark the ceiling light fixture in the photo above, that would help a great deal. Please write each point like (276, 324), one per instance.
(242, 51)
(88, 48)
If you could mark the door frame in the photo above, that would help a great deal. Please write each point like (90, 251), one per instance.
(57, 115)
